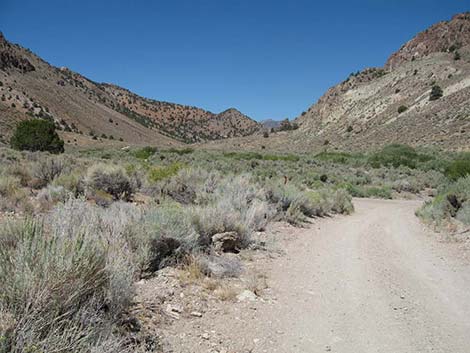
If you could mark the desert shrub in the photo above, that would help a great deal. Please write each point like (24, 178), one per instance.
(189, 186)
(179, 151)
(287, 158)
(49, 168)
(72, 182)
(53, 289)
(259, 156)
(282, 195)
(380, 192)
(406, 185)
(463, 214)
(297, 204)
(295, 213)
(110, 179)
(145, 153)
(243, 155)
(238, 205)
(436, 93)
(341, 202)
(157, 174)
(9, 185)
(452, 202)
(163, 227)
(458, 169)
(52, 194)
(12, 196)
(20, 171)
(338, 157)
(37, 135)
(402, 109)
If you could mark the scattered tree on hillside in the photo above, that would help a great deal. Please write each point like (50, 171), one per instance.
(402, 109)
(286, 125)
(436, 93)
(37, 135)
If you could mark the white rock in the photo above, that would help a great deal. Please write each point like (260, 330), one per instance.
(246, 295)
(196, 314)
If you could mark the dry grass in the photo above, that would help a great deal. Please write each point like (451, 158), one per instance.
(226, 292)
(191, 271)
(256, 282)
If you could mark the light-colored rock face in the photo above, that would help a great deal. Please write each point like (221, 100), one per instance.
(368, 109)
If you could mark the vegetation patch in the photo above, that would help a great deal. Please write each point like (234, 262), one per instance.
(160, 173)
(37, 135)
(397, 155)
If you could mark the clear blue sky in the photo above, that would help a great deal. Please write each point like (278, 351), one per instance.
(268, 58)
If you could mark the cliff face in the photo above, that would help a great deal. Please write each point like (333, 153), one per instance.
(392, 104)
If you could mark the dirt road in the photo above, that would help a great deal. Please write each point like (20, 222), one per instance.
(374, 281)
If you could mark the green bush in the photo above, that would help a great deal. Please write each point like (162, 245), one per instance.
(113, 180)
(337, 157)
(145, 153)
(453, 202)
(396, 155)
(48, 285)
(180, 151)
(458, 169)
(37, 135)
(402, 109)
(161, 173)
(436, 93)
(243, 155)
(367, 191)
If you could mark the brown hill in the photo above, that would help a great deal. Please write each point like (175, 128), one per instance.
(30, 87)
(445, 36)
(392, 104)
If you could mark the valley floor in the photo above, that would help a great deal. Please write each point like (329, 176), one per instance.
(375, 281)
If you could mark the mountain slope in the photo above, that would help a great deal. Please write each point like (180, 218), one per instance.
(29, 86)
(392, 104)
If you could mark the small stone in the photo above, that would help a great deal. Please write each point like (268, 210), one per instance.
(205, 336)
(402, 296)
(175, 308)
(196, 314)
(246, 295)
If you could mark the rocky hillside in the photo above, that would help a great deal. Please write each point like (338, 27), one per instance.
(420, 97)
(30, 87)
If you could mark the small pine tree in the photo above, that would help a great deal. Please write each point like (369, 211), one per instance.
(436, 93)
(402, 109)
(37, 135)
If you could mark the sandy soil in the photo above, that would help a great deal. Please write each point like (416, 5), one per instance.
(375, 281)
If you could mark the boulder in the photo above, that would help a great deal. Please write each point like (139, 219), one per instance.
(227, 242)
